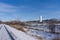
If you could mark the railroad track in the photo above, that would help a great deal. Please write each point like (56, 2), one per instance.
(5, 34)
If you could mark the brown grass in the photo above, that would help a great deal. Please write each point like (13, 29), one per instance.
(18, 27)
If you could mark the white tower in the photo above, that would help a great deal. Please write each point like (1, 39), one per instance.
(40, 18)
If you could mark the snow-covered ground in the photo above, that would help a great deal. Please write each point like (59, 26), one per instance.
(3, 33)
(17, 35)
(45, 35)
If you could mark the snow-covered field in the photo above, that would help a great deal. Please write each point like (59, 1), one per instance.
(17, 35)
(45, 35)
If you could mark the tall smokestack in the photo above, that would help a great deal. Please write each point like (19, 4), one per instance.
(40, 18)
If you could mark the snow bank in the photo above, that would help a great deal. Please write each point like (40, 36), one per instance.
(19, 35)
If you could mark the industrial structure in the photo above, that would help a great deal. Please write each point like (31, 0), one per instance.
(40, 18)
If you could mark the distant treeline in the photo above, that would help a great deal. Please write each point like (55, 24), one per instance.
(45, 21)
(14, 22)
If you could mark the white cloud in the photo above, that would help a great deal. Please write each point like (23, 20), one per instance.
(7, 8)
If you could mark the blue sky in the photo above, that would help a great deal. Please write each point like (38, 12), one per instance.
(29, 9)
